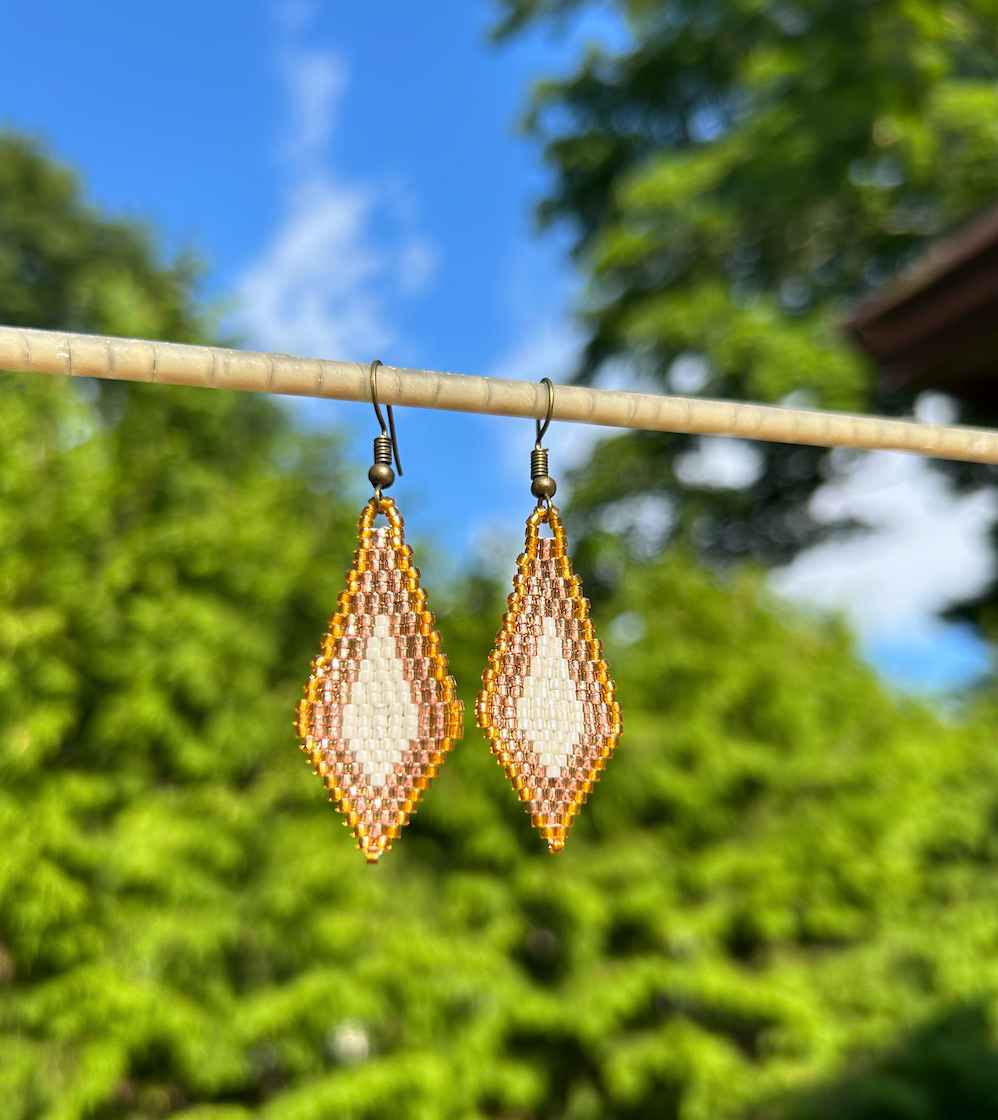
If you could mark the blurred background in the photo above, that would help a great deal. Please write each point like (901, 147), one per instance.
(782, 900)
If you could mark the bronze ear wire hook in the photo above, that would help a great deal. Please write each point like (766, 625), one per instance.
(542, 429)
(542, 485)
(386, 446)
(391, 415)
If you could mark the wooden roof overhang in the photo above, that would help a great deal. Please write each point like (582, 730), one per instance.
(936, 326)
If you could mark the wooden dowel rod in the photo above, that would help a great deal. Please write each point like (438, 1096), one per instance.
(170, 363)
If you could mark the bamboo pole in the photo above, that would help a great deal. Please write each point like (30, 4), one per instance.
(169, 363)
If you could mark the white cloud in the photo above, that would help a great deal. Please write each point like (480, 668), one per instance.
(315, 82)
(312, 291)
(343, 249)
(928, 548)
(720, 463)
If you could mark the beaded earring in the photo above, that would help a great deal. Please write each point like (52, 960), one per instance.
(547, 705)
(380, 710)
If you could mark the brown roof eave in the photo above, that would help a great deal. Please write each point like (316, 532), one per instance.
(936, 325)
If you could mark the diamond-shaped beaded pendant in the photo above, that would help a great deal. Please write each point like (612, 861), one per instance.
(380, 711)
(548, 704)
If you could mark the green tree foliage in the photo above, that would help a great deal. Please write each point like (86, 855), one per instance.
(733, 172)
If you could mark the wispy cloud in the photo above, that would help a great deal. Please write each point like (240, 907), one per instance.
(928, 548)
(315, 81)
(343, 249)
(312, 290)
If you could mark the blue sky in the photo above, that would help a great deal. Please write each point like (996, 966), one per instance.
(353, 176)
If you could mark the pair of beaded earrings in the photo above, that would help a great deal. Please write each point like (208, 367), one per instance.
(381, 711)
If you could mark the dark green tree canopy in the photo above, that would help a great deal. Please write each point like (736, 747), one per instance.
(732, 175)
(943, 1071)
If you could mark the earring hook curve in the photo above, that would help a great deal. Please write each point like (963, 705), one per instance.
(541, 429)
(381, 420)
(542, 485)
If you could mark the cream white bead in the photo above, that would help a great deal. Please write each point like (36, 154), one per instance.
(549, 711)
(380, 718)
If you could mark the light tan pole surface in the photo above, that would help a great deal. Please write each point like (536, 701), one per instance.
(169, 363)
